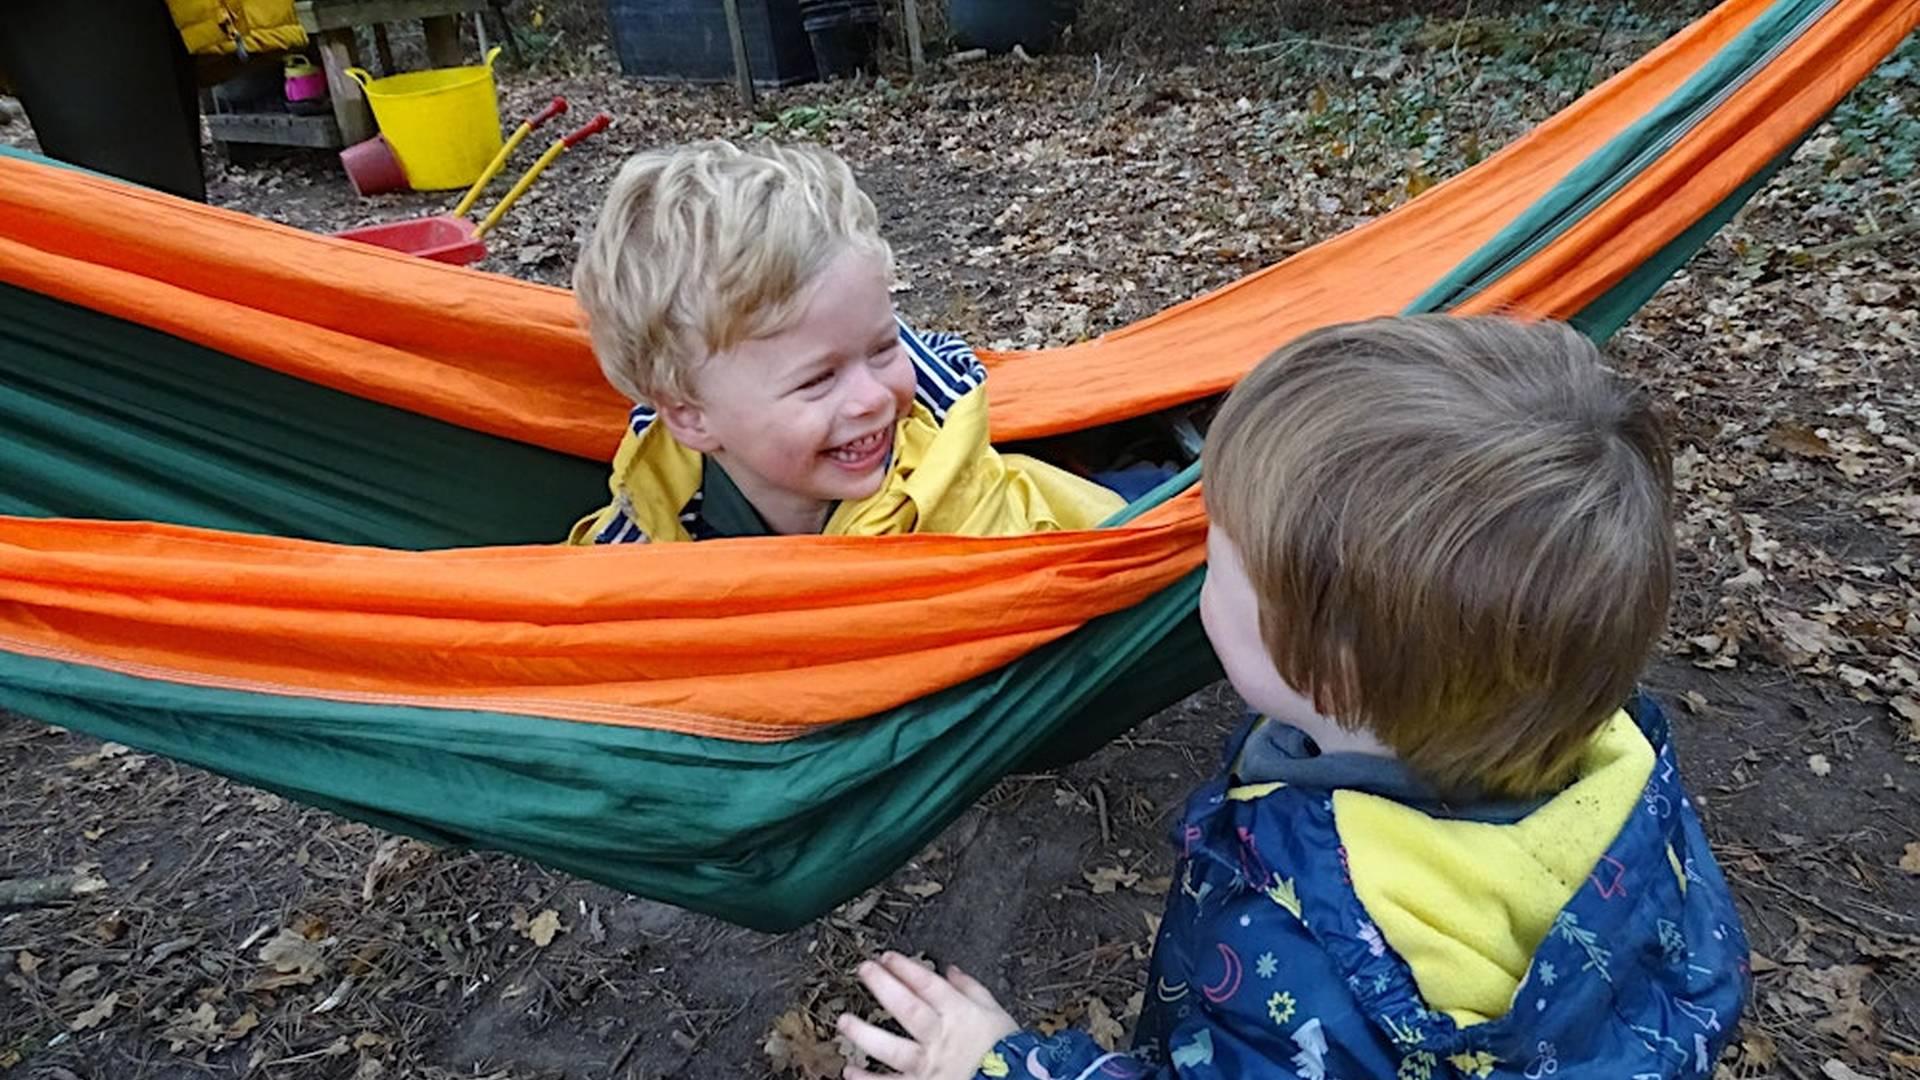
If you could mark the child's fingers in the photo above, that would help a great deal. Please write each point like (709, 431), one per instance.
(971, 987)
(924, 981)
(899, 999)
(881, 1045)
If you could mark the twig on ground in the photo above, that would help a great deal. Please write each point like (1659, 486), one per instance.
(1289, 44)
(1106, 824)
(1867, 240)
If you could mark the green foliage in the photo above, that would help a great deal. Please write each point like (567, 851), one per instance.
(1879, 123)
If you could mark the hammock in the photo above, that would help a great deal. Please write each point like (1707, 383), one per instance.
(283, 507)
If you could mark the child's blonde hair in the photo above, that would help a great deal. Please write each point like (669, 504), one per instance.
(701, 247)
(1459, 534)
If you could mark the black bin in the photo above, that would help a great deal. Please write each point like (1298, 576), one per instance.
(687, 39)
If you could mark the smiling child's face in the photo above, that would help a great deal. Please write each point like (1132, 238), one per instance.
(806, 417)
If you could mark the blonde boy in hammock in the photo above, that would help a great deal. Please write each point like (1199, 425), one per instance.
(740, 297)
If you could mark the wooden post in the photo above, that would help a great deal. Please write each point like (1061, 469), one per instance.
(443, 40)
(384, 50)
(916, 48)
(742, 72)
(338, 52)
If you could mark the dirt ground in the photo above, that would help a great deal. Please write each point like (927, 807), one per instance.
(236, 934)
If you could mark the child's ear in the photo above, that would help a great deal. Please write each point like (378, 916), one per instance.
(687, 423)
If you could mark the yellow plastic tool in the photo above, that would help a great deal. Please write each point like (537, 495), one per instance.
(555, 108)
(560, 146)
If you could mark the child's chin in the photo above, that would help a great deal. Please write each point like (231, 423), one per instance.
(844, 488)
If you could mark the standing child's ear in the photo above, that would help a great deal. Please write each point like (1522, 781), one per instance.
(687, 423)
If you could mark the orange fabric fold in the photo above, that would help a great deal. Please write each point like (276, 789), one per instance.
(678, 637)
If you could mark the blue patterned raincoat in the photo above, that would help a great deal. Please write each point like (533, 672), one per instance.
(1327, 934)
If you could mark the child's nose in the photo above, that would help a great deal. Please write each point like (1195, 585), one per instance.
(867, 394)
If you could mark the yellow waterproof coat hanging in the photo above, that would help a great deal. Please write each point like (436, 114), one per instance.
(214, 27)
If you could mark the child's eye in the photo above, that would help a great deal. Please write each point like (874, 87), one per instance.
(816, 381)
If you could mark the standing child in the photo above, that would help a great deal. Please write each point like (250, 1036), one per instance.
(741, 299)
(1440, 555)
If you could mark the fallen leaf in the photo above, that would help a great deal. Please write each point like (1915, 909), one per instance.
(1108, 878)
(1910, 861)
(107, 752)
(923, 889)
(542, 928)
(794, 1047)
(1757, 1050)
(855, 910)
(28, 963)
(79, 977)
(1909, 708)
(1819, 764)
(1838, 992)
(111, 928)
(1835, 1069)
(291, 960)
(1802, 440)
(1101, 1025)
(192, 1027)
(97, 1013)
(1804, 639)
(242, 1026)
(382, 858)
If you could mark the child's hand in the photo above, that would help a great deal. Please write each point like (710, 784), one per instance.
(952, 1022)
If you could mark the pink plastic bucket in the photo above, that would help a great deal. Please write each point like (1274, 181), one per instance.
(307, 87)
(373, 168)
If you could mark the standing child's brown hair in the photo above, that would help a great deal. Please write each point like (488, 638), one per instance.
(1458, 529)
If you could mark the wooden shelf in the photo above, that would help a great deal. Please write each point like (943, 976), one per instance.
(318, 15)
(276, 128)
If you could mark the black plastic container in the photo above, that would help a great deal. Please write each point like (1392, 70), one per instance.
(687, 39)
(998, 25)
(845, 34)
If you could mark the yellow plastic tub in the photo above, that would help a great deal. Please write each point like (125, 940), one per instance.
(443, 125)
